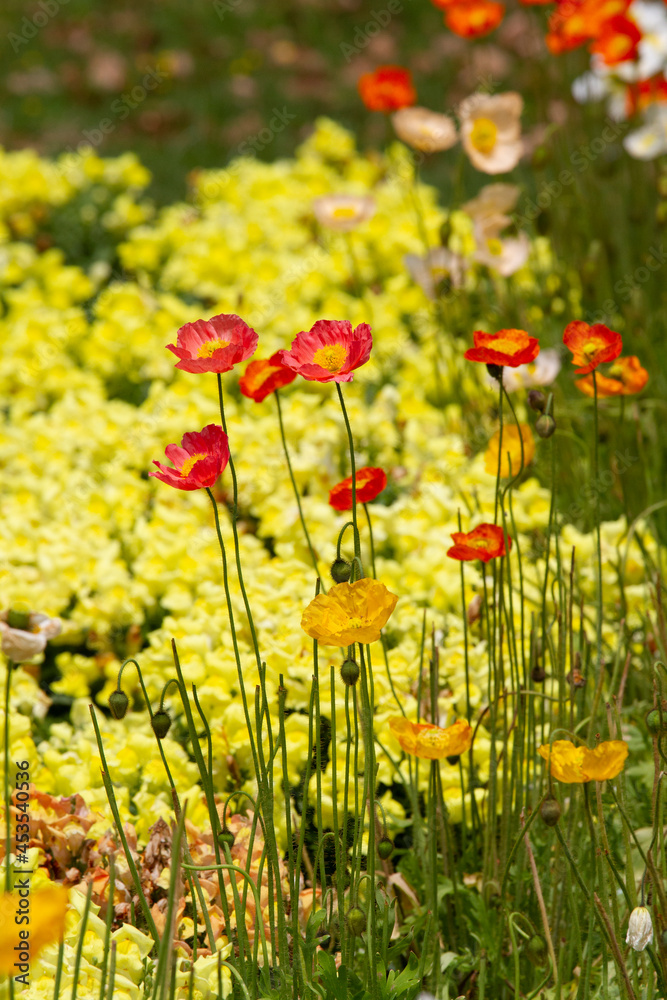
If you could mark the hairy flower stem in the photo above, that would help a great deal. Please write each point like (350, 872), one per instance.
(596, 478)
(357, 541)
(367, 710)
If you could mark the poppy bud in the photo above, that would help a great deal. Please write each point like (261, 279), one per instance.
(537, 400)
(536, 950)
(576, 678)
(640, 929)
(545, 425)
(474, 611)
(118, 702)
(226, 837)
(341, 570)
(655, 724)
(356, 920)
(385, 848)
(538, 673)
(550, 811)
(454, 759)
(495, 371)
(350, 672)
(161, 722)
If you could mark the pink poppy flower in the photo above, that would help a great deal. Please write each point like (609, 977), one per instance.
(214, 345)
(330, 351)
(200, 459)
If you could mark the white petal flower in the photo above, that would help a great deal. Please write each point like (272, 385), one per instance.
(650, 140)
(21, 644)
(640, 929)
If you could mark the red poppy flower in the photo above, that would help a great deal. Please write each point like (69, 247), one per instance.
(473, 20)
(484, 542)
(330, 351)
(591, 345)
(628, 377)
(261, 378)
(200, 459)
(388, 88)
(574, 22)
(370, 483)
(214, 345)
(507, 347)
(618, 41)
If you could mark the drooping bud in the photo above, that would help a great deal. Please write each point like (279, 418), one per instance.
(453, 759)
(226, 836)
(161, 723)
(655, 724)
(385, 848)
(536, 950)
(341, 570)
(495, 371)
(118, 703)
(356, 920)
(550, 811)
(538, 673)
(537, 400)
(640, 929)
(545, 425)
(349, 672)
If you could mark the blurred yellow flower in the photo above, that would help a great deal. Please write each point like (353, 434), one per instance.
(350, 612)
(572, 764)
(423, 739)
(511, 444)
(45, 909)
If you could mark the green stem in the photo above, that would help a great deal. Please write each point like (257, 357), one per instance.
(596, 482)
(357, 542)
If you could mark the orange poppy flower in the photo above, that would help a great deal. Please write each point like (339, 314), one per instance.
(575, 765)
(591, 345)
(349, 613)
(507, 347)
(261, 378)
(619, 41)
(370, 482)
(484, 542)
(423, 739)
(48, 908)
(387, 88)
(474, 20)
(512, 445)
(577, 21)
(628, 378)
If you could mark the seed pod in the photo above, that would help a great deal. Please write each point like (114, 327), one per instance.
(341, 570)
(356, 920)
(550, 811)
(545, 425)
(385, 848)
(495, 371)
(536, 950)
(226, 836)
(161, 722)
(349, 672)
(655, 724)
(537, 400)
(118, 703)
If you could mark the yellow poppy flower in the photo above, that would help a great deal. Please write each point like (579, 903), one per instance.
(350, 612)
(572, 764)
(511, 444)
(422, 739)
(46, 908)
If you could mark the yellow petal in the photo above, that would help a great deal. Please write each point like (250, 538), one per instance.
(605, 761)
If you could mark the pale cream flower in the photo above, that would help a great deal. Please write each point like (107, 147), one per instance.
(640, 929)
(542, 371)
(491, 131)
(650, 140)
(440, 264)
(504, 255)
(343, 212)
(21, 644)
(425, 130)
(493, 199)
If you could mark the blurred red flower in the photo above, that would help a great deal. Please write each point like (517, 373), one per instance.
(370, 483)
(484, 542)
(591, 345)
(330, 351)
(627, 378)
(507, 347)
(200, 459)
(387, 88)
(618, 41)
(261, 378)
(214, 345)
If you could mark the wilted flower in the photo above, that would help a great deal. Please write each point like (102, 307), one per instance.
(506, 347)
(640, 929)
(491, 131)
(485, 542)
(591, 345)
(214, 345)
(574, 765)
(198, 462)
(628, 378)
(423, 739)
(343, 212)
(512, 438)
(438, 266)
(349, 613)
(261, 378)
(24, 635)
(369, 482)
(425, 130)
(330, 351)
(387, 88)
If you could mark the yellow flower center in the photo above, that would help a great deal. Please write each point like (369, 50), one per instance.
(504, 346)
(344, 212)
(483, 135)
(356, 622)
(208, 348)
(494, 247)
(330, 357)
(186, 468)
(590, 349)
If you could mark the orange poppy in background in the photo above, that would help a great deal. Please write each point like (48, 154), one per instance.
(387, 88)
(591, 345)
(575, 765)
(423, 739)
(507, 347)
(485, 542)
(577, 21)
(619, 41)
(261, 378)
(512, 438)
(473, 20)
(370, 482)
(628, 378)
